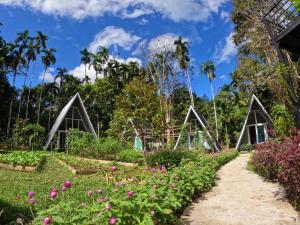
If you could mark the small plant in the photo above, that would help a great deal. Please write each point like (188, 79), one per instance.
(246, 147)
(22, 158)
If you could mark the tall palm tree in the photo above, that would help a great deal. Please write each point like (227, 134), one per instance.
(16, 61)
(48, 59)
(208, 68)
(39, 44)
(85, 59)
(182, 55)
(99, 60)
(61, 73)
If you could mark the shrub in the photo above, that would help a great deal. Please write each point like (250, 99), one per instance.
(79, 142)
(280, 161)
(282, 119)
(246, 147)
(155, 200)
(166, 158)
(21, 158)
(130, 155)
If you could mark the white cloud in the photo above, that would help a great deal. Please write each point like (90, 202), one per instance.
(163, 43)
(113, 36)
(176, 10)
(225, 16)
(223, 77)
(79, 72)
(225, 51)
(49, 77)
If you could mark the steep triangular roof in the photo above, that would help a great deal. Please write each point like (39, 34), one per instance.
(262, 109)
(203, 123)
(85, 118)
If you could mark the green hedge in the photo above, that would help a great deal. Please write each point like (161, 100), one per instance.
(156, 200)
(21, 158)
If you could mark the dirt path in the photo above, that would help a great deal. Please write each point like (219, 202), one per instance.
(241, 197)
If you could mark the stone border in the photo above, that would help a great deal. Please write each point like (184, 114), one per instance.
(108, 162)
(72, 170)
(21, 168)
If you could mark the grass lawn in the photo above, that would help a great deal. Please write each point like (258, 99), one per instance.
(50, 175)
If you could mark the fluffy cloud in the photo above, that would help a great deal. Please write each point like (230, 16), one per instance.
(176, 10)
(163, 43)
(113, 36)
(225, 16)
(225, 53)
(49, 77)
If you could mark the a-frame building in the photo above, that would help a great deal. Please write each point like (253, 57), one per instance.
(197, 130)
(256, 125)
(72, 116)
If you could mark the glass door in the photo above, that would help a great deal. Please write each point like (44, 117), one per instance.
(261, 133)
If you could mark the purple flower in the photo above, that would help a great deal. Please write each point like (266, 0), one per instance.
(47, 221)
(30, 194)
(54, 189)
(64, 189)
(112, 220)
(130, 194)
(67, 184)
(108, 207)
(114, 168)
(90, 193)
(99, 200)
(163, 169)
(31, 201)
(53, 194)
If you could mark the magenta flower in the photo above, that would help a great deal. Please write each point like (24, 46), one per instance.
(114, 168)
(30, 194)
(54, 189)
(31, 201)
(112, 220)
(108, 207)
(53, 194)
(99, 200)
(163, 169)
(152, 212)
(90, 193)
(130, 194)
(64, 189)
(67, 184)
(47, 221)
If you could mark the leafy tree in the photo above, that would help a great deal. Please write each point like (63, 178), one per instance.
(86, 60)
(282, 119)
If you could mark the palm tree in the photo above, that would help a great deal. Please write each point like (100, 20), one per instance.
(15, 61)
(182, 54)
(61, 73)
(99, 60)
(208, 68)
(85, 59)
(48, 59)
(38, 46)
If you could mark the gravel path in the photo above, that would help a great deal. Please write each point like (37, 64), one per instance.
(241, 197)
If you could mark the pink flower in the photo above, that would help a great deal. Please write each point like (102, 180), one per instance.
(130, 194)
(114, 168)
(31, 201)
(154, 186)
(163, 169)
(64, 189)
(30, 194)
(47, 221)
(54, 189)
(99, 200)
(152, 212)
(90, 193)
(108, 207)
(99, 191)
(53, 194)
(18, 197)
(67, 184)
(112, 220)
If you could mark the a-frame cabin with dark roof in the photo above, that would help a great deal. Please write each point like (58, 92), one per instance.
(256, 125)
(197, 131)
(72, 116)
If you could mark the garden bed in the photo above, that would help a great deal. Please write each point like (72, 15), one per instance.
(21, 161)
(79, 165)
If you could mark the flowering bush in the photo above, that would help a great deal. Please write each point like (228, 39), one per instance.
(154, 200)
(280, 161)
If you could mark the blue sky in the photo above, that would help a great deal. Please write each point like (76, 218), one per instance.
(123, 26)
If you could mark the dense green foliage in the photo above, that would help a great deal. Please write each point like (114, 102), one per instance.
(282, 119)
(85, 145)
(280, 161)
(22, 158)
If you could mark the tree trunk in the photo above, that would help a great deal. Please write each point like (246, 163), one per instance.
(40, 97)
(49, 118)
(27, 103)
(11, 104)
(24, 83)
(215, 111)
(297, 117)
(189, 87)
